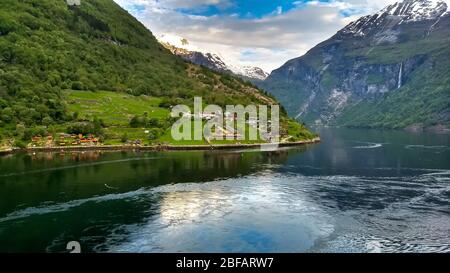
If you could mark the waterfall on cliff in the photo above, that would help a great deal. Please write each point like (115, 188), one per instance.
(400, 76)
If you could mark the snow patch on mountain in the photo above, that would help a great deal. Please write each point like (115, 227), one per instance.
(408, 11)
(418, 10)
(249, 72)
(183, 48)
(216, 60)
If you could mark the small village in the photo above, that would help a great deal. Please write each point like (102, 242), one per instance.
(64, 139)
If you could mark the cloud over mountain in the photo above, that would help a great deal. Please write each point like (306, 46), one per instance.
(251, 32)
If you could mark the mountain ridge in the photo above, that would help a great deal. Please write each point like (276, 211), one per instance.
(215, 62)
(386, 70)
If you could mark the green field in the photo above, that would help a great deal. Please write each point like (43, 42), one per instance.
(167, 138)
(117, 109)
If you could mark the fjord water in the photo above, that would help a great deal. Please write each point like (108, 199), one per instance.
(357, 191)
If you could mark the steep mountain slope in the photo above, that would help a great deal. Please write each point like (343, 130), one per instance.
(390, 69)
(215, 62)
(48, 49)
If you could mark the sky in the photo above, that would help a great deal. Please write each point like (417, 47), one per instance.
(262, 33)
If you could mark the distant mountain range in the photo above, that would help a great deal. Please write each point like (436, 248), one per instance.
(216, 63)
(390, 70)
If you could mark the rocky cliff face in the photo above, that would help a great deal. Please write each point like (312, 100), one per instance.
(372, 68)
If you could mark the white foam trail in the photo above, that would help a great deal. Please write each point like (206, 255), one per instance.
(52, 208)
(188, 187)
(69, 205)
(371, 146)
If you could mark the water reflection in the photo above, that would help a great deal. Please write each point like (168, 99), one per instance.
(358, 191)
(231, 215)
(33, 179)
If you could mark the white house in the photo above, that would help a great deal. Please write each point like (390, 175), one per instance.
(73, 2)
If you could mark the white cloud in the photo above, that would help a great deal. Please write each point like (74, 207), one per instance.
(272, 40)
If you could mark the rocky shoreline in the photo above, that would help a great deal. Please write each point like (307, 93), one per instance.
(161, 147)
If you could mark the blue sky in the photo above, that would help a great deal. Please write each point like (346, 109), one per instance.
(263, 33)
(247, 8)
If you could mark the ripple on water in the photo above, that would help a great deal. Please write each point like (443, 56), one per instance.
(424, 148)
(275, 212)
(231, 216)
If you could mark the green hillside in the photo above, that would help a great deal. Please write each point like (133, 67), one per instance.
(52, 55)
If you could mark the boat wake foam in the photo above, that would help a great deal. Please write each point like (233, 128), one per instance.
(370, 145)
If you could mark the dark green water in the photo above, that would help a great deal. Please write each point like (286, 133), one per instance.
(358, 191)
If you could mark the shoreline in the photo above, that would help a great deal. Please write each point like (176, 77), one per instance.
(6, 151)
(158, 147)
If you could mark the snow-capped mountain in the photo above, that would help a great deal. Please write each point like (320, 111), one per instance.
(388, 69)
(182, 48)
(408, 11)
(211, 61)
(252, 72)
(416, 10)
